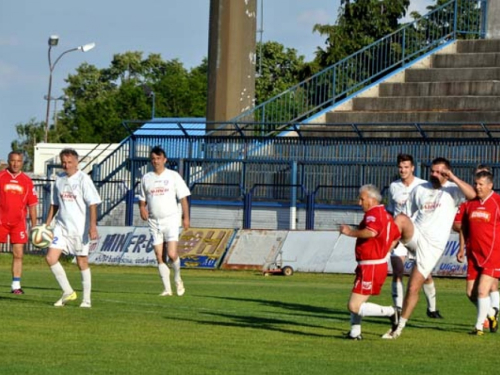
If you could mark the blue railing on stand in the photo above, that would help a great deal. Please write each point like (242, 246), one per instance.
(444, 24)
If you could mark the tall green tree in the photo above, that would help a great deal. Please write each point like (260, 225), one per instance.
(359, 23)
(100, 99)
(278, 68)
(29, 135)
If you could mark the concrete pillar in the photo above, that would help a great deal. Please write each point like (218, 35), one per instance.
(231, 58)
(493, 20)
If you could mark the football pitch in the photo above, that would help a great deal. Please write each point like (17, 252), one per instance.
(228, 322)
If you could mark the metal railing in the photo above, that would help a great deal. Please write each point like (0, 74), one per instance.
(465, 18)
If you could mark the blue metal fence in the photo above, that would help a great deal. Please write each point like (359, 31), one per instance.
(310, 170)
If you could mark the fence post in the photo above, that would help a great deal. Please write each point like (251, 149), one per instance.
(247, 210)
(293, 200)
(129, 214)
(310, 198)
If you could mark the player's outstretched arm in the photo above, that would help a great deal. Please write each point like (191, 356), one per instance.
(466, 189)
(357, 233)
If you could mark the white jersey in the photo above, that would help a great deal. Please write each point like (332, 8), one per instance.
(73, 195)
(162, 192)
(399, 194)
(433, 211)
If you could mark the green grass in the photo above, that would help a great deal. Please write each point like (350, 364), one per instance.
(228, 322)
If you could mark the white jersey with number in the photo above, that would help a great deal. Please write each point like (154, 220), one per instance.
(433, 211)
(73, 195)
(161, 192)
(399, 194)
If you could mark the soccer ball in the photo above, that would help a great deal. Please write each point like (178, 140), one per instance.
(41, 236)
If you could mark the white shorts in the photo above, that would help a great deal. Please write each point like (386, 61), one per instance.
(426, 254)
(70, 244)
(164, 230)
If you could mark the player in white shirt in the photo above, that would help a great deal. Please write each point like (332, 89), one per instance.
(433, 206)
(399, 193)
(160, 192)
(73, 206)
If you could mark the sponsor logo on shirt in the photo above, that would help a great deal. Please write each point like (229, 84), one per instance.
(13, 188)
(370, 219)
(68, 196)
(431, 206)
(480, 216)
(158, 191)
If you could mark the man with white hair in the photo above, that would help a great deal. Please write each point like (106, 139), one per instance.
(375, 237)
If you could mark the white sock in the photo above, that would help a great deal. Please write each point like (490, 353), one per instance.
(355, 325)
(165, 277)
(372, 309)
(483, 306)
(401, 325)
(86, 284)
(61, 278)
(176, 266)
(397, 293)
(495, 300)
(15, 285)
(430, 295)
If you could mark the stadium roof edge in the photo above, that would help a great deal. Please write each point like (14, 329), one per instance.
(173, 126)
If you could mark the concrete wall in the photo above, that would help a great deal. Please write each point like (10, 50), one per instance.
(493, 21)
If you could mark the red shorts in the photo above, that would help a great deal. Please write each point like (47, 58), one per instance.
(369, 279)
(17, 233)
(474, 271)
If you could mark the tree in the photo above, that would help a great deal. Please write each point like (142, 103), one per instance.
(100, 99)
(360, 23)
(281, 68)
(29, 135)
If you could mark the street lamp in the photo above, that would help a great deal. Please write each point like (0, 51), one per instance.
(53, 41)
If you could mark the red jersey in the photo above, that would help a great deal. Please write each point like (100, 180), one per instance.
(16, 194)
(377, 220)
(481, 221)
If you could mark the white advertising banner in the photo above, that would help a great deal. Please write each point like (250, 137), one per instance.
(133, 246)
(328, 251)
(123, 245)
(304, 251)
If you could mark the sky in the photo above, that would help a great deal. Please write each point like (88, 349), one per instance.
(172, 28)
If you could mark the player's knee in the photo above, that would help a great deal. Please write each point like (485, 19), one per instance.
(50, 259)
(17, 255)
(353, 307)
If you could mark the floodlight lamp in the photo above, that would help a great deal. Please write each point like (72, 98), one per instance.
(53, 40)
(87, 47)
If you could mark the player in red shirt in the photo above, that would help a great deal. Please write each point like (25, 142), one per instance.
(376, 235)
(17, 198)
(480, 224)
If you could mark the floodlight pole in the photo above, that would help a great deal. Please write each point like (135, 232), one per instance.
(53, 41)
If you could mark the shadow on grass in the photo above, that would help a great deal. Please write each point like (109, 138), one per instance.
(259, 323)
(295, 307)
